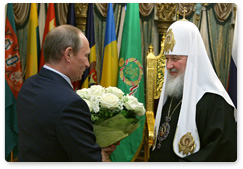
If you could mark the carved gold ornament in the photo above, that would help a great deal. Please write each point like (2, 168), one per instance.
(81, 15)
(187, 144)
(169, 41)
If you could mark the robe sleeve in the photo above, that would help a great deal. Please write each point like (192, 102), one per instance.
(217, 130)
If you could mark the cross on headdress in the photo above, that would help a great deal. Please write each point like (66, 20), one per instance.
(184, 14)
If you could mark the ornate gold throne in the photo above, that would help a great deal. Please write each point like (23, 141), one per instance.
(155, 66)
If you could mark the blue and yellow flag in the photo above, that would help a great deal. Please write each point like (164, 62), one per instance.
(13, 83)
(109, 66)
(131, 80)
(33, 43)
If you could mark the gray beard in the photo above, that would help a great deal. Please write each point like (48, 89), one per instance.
(174, 86)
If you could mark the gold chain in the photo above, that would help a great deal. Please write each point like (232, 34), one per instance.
(174, 108)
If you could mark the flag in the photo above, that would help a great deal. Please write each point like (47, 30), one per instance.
(90, 34)
(41, 20)
(49, 25)
(232, 81)
(71, 17)
(131, 80)
(13, 83)
(109, 68)
(71, 20)
(33, 43)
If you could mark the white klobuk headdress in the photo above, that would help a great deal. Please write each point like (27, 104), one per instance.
(183, 38)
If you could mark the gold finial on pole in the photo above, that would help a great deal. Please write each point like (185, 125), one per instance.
(184, 14)
(11, 158)
(151, 49)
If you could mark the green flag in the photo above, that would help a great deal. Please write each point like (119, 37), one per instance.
(131, 80)
(11, 127)
(13, 83)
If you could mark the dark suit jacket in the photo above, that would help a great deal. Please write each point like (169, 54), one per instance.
(54, 122)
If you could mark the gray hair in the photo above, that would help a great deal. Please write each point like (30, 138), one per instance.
(59, 39)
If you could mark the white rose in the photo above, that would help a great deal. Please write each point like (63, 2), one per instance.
(133, 105)
(140, 110)
(114, 90)
(109, 100)
(129, 97)
(97, 90)
(89, 104)
(84, 93)
(95, 103)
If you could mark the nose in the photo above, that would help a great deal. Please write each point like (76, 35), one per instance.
(169, 64)
(87, 64)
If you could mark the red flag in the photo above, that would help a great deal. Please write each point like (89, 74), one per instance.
(13, 71)
(49, 25)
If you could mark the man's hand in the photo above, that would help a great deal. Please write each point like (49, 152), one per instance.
(106, 152)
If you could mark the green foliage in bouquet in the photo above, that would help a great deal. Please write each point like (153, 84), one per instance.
(114, 129)
(105, 114)
(114, 115)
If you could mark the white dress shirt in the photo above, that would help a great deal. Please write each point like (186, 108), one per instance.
(61, 74)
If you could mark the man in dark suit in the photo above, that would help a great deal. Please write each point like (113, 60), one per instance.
(54, 122)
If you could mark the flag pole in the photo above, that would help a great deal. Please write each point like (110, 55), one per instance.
(11, 160)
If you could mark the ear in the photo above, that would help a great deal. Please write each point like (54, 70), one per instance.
(68, 53)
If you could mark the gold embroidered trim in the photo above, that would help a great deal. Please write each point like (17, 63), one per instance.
(187, 144)
(169, 41)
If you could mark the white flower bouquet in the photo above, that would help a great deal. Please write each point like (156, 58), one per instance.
(114, 115)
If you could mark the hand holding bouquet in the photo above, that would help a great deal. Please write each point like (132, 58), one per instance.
(114, 115)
